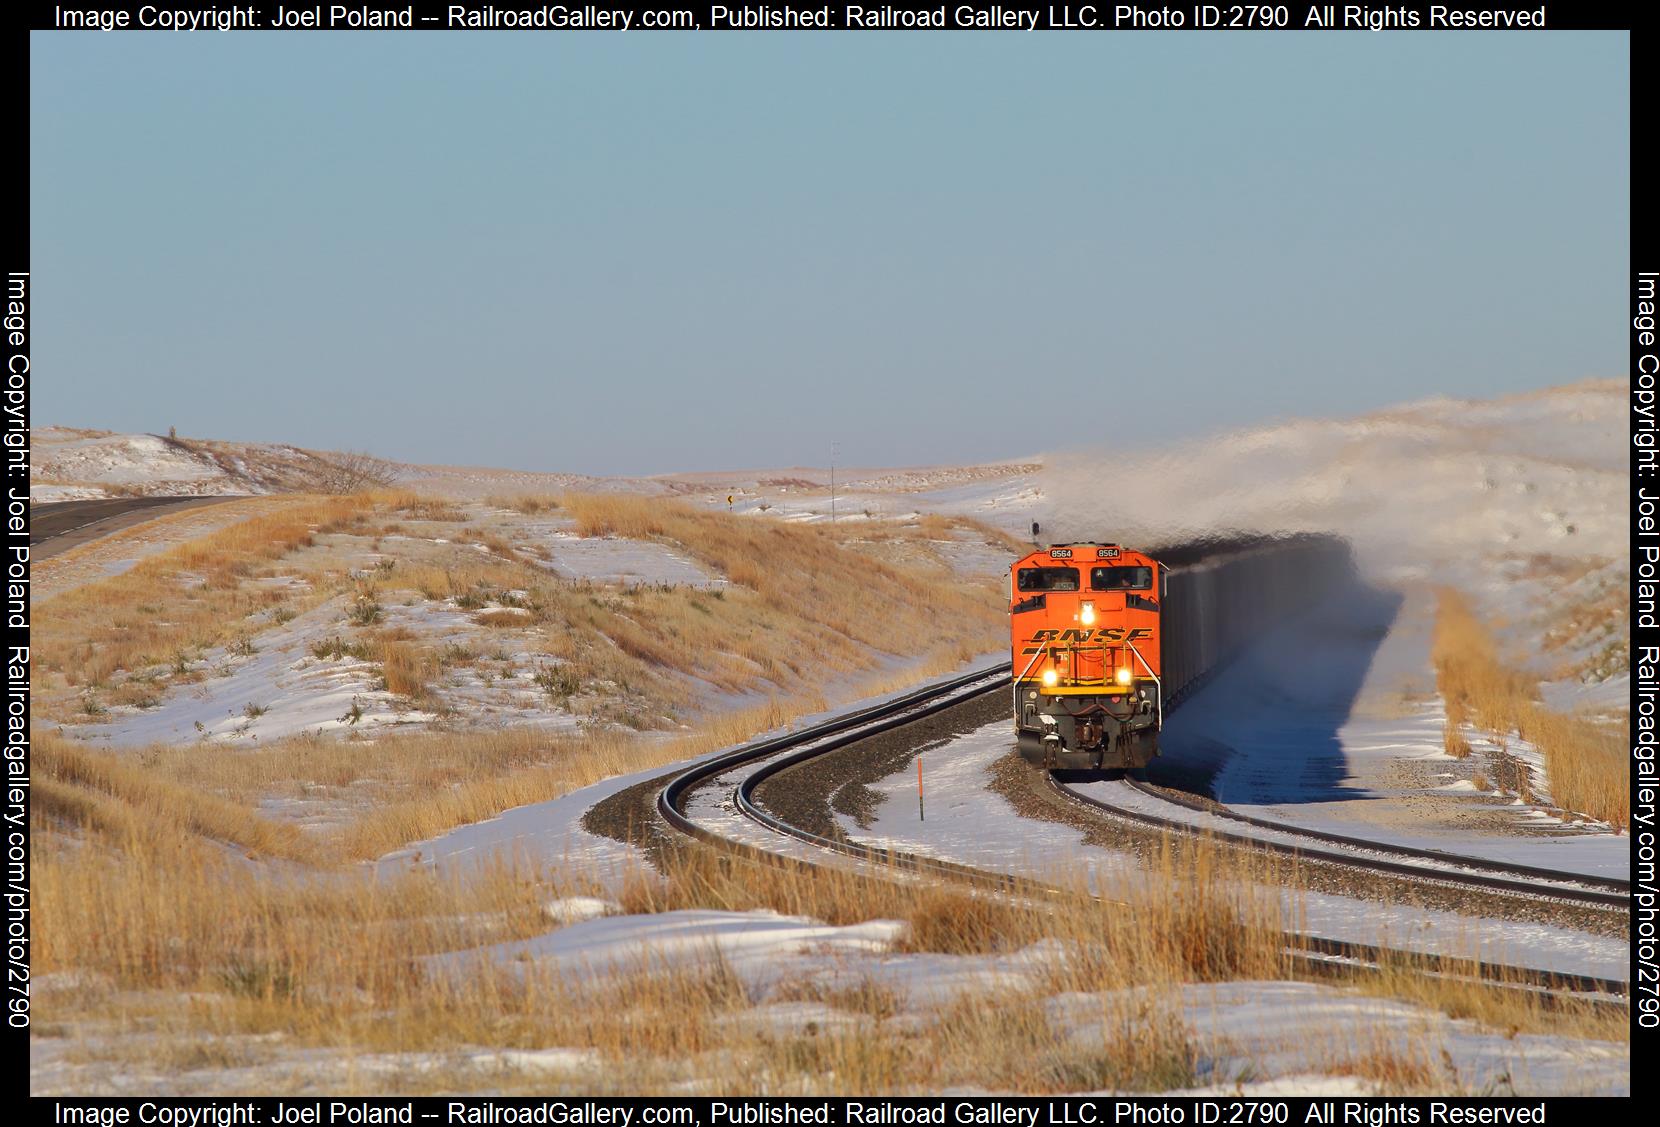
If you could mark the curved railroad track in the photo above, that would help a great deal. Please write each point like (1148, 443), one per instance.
(1425, 865)
(735, 776)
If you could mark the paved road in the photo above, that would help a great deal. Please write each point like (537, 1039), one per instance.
(61, 525)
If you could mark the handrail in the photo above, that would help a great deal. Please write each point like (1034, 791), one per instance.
(1157, 684)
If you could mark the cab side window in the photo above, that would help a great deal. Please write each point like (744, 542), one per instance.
(1121, 578)
(1047, 579)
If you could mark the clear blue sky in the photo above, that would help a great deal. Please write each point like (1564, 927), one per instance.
(641, 253)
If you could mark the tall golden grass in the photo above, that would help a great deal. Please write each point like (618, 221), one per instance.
(161, 873)
(1586, 763)
(407, 669)
(805, 614)
(123, 798)
(340, 960)
(802, 570)
(188, 598)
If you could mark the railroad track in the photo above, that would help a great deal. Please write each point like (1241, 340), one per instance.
(744, 769)
(1424, 865)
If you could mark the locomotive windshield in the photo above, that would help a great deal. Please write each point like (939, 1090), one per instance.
(1047, 579)
(1121, 578)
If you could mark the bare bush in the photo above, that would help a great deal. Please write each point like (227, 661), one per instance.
(349, 471)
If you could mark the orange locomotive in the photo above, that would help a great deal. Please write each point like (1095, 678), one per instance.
(1084, 620)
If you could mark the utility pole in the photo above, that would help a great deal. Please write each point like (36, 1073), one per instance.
(834, 449)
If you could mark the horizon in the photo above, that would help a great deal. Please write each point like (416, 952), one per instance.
(1035, 457)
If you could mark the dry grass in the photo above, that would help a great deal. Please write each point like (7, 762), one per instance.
(811, 613)
(121, 798)
(1196, 917)
(530, 504)
(1395, 1066)
(326, 960)
(141, 896)
(186, 599)
(431, 508)
(1586, 764)
(341, 960)
(160, 874)
(408, 670)
(825, 618)
(804, 571)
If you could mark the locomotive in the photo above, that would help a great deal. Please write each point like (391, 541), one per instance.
(1107, 640)
(1084, 620)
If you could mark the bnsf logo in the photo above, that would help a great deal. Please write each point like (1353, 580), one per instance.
(1105, 634)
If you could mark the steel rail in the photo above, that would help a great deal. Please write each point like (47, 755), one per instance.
(1611, 885)
(1481, 882)
(1313, 953)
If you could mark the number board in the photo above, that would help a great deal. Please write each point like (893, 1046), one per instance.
(1106, 553)
(1060, 553)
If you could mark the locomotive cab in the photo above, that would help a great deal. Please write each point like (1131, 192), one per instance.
(1084, 626)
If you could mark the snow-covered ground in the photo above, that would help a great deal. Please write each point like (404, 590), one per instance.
(70, 464)
(135, 460)
(1250, 1033)
(306, 676)
(1336, 725)
(613, 559)
(77, 464)
(1248, 1038)
(1333, 724)
(1004, 497)
(1430, 490)
(961, 820)
(1519, 502)
(550, 834)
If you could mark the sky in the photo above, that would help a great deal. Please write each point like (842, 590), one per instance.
(641, 253)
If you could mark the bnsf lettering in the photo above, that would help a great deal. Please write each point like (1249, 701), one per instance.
(1105, 634)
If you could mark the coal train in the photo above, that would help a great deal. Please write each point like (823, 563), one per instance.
(1107, 640)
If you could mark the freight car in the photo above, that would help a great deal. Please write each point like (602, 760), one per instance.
(1107, 640)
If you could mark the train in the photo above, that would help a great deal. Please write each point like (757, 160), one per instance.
(1106, 640)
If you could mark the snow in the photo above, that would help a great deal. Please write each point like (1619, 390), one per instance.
(1313, 725)
(281, 689)
(1427, 490)
(1008, 503)
(44, 493)
(760, 946)
(77, 465)
(57, 1067)
(1252, 1036)
(551, 834)
(542, 833)
(72, 464)
(963, 821)
(119, 459)
(1581, 696)
(1263, 1029)
(608, 559)
(575, 909)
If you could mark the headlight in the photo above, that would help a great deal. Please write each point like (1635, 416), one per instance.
(1124, 676)
(1050, 676)
(1087, 614)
